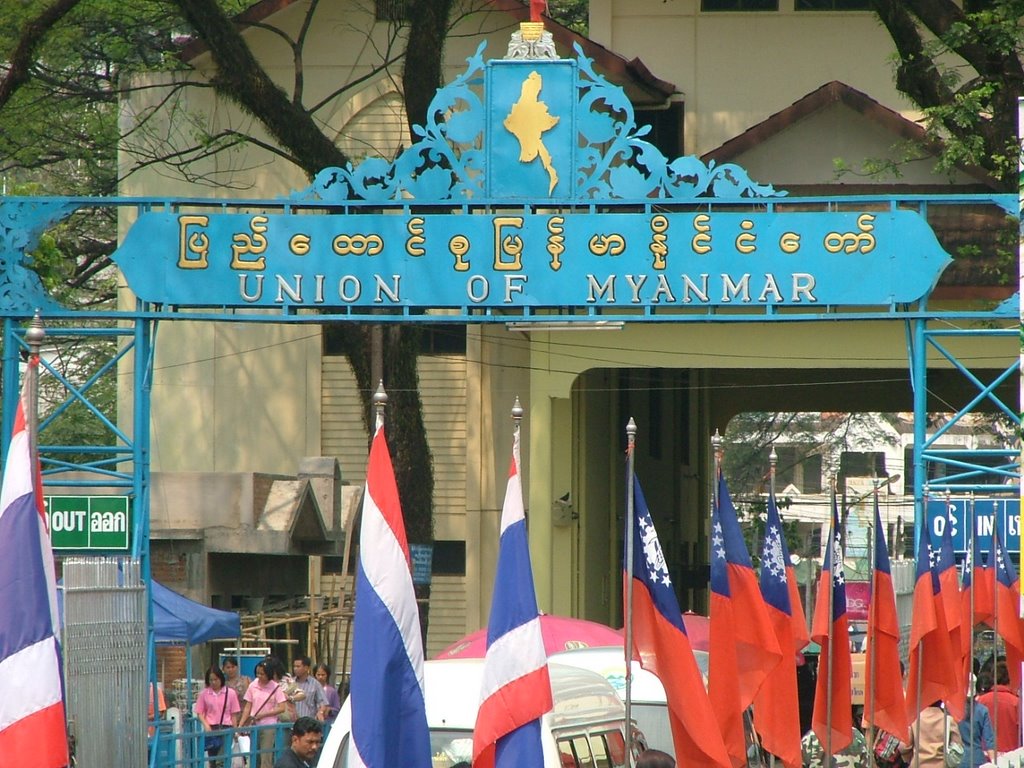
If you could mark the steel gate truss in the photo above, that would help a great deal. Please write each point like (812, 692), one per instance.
(965, 471)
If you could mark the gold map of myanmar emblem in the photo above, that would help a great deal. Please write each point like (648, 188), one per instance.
(527, 121)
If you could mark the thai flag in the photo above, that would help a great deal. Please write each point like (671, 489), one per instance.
(662, 646)
(389, 720)
(776, 706)
(516, 688)
(832, 721)
(744, 648)
(32, 729)
(885, 706)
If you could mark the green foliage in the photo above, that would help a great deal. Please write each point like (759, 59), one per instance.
(964, 70)
(573, 14)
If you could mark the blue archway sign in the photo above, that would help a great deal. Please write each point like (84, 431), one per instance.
(550, 198)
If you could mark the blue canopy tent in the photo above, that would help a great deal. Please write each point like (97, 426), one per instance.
(176, 619)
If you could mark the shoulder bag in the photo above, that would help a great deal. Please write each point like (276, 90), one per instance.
(953, 748)
(215, 743)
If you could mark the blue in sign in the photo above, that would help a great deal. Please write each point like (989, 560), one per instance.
(985, 513)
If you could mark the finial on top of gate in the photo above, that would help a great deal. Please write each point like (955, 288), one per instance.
(531, 40)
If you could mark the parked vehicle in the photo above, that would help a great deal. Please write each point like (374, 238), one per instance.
(586, 727)
(648, 705)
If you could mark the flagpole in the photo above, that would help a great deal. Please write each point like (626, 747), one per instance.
(830, 640)
(921, 651)
(972, 531)
(628, 649)
(773, 461)
(997, 561)
(716, 449)
(873, 624)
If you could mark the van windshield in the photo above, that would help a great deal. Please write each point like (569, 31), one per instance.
(451, 748)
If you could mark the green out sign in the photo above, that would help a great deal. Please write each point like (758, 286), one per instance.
(88, 522)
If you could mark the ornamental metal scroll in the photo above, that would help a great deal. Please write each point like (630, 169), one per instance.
(466, 151)
(22, 222)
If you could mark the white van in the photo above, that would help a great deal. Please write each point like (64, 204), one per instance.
(648, 705)
(585, 729)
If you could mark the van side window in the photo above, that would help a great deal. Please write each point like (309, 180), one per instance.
(617, 747)
(574, 752)
(600, 747)
(581, 746)
(565, 754)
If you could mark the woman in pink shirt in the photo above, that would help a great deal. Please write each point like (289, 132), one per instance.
(264, 701)
(217, 707)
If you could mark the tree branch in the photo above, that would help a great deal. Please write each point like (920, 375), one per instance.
(31, 37)
(240, 77)
(423, 57)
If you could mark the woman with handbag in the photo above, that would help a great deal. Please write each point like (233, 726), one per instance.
(216, 708)
(264, 701)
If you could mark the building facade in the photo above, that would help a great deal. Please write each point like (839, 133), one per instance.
(781, 92)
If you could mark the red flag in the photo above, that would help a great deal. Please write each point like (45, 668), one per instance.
(744, 649)
(976, 595)
(1006, 620)
(976, 599)
(801, 636)
(884, 706)
(832, 721)
(776, 705)
(661, 645)
(933, 663)
(949, 590)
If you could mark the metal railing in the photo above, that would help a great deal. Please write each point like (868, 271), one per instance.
(186, 747)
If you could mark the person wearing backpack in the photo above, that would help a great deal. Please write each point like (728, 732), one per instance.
(934, 740)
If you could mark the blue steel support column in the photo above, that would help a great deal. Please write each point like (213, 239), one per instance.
(919, 379)
(142, 385)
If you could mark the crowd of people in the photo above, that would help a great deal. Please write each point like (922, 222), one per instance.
(307, 699)
(991, 726)
(304, 698)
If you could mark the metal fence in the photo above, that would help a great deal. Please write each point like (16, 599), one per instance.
(186, 746)
(104, 644)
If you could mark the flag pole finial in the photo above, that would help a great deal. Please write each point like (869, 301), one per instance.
(380, 400)
(631, 430)
(517, 411)
(716, 445)
(35, 334)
